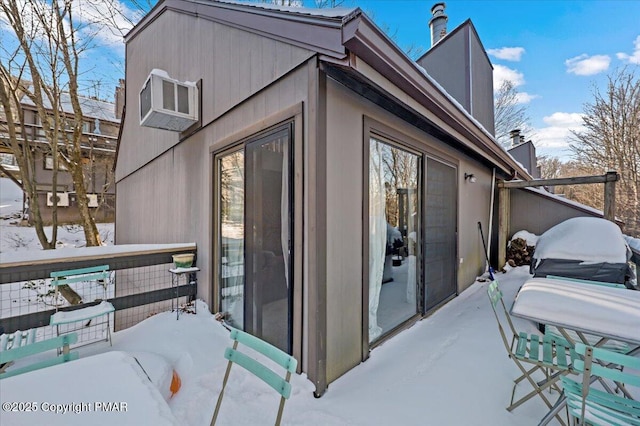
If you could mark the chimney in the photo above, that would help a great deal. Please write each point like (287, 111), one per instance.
(119, 99)
(515, 137)
(438, 23)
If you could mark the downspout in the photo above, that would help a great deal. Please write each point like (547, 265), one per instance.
(493, 188)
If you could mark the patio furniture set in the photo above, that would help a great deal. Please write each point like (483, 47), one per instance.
(595, 334)
(40, 383)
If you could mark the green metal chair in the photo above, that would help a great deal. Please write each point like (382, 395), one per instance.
(94, 314)
(61, 342)
(550, 356)
(277, 382)
(597, 407)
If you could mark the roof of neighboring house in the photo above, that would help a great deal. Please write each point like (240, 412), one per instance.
(334, 33)
(91, 108)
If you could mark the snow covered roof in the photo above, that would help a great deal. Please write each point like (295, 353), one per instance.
(334, 12)
(334, 33)
(91, 108)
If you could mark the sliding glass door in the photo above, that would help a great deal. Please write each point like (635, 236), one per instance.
(441, 215)
(412, 235)
(394, 237)
(255, 222)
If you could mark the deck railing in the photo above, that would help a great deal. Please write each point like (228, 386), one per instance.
(140, 285)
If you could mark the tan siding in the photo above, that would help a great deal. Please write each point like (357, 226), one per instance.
(169, 200)
(232, 64)
(473, 207)
(536, 214)
(344, 230)
(448, 64)
(481, 85)
(345, 114)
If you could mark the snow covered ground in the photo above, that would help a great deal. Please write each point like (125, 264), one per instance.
(15, 238)
(449, 369)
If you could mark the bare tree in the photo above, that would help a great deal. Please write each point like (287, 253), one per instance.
(412, 50)
(611, 141)
(550, 167)
(589, 195)
(510, 114)
(47, 54)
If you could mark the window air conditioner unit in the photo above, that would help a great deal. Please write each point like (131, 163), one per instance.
(168, 104)
(63, 199)
(92, 199)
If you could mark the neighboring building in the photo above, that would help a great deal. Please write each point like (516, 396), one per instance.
(101, 124)
(310, 161)
(524, 153)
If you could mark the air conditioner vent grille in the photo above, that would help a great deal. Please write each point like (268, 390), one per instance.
(168, 104)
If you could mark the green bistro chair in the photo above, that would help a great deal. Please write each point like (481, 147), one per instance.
(61, 343)
(277, 382)
(530, 353)
(594, 406)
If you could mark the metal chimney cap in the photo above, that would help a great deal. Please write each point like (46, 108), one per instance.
(438, 7)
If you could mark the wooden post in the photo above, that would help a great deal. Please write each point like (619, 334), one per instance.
(504, 201)
(610, 196)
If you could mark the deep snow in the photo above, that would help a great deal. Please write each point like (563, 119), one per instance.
(449, 369)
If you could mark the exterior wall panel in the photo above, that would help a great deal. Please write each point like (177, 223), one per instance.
(481, 85)
(344, 229)
(231, 63)
(449, 64)
(536, 214)
(345, 132)
(169, 200)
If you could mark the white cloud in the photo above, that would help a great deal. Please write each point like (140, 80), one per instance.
(507, 53)
(502, 74)
(525, 98)
(634, 58)
(587, 65)
(107, 21)
(557, 134)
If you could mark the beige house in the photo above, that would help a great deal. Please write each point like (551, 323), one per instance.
(332, 186)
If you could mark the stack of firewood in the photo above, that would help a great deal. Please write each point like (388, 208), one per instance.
(519, 253)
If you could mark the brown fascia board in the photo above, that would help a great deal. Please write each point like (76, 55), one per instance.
(316, 33)
(367, 41)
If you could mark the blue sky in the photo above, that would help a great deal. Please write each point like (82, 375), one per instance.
(566, 47)
(559, 50)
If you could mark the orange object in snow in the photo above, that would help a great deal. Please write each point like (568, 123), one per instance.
(175, 383)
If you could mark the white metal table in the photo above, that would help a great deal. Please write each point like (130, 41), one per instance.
(605, 312)
(105, 389)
